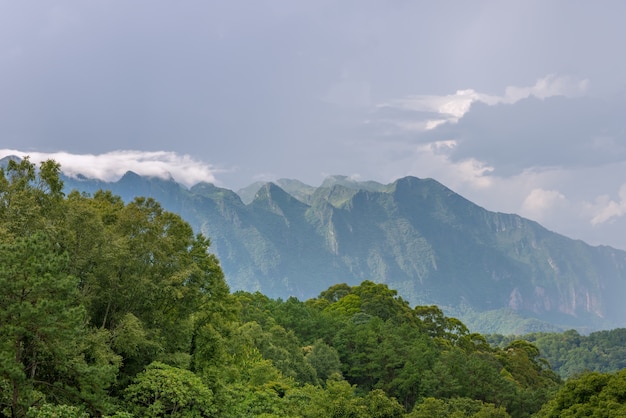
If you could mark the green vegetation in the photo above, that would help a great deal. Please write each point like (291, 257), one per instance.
(114, 309)
(571, 354)
(590, 395)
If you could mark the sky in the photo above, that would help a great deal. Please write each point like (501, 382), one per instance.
(516, 105)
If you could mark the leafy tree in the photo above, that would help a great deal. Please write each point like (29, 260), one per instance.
(146, 278)
(456, 408)
(591, 394)
(339, 399)
(378, 300)
(256, 307)
(95, 370)
(56, 411)
(523, 360)
(282, 348)
(570, 353)
(379, 405)
(261, 401)
(471, 375)
(250, 385)
(307, 321)
(445, 329)
(30, 200)
(324, 359)
(347, 306)
(371, 298)
(163, 390)
(40, 319)
(335, 293)
(378, 354)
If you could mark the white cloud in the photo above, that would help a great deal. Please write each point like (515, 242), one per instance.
(549, 86)
(433, 123)
(432, 160)
(540, 202)
(111, 166)
(606, 209)
(451, 107)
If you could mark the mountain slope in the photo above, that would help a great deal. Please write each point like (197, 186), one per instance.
(416, 235)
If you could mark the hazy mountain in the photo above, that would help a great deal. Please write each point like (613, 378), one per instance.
(296, 188)
(498, 272)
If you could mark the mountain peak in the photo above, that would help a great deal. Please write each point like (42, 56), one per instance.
(272, 197)
(351, 183)
(133, 177)
(130, 175)
(273, 193)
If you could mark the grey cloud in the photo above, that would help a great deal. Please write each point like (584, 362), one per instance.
(533, 133)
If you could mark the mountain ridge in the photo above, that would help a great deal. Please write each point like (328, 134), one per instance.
(416, 235)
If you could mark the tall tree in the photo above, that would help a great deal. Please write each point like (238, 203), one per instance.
(43, 337)
(40, 319)
(146, 278)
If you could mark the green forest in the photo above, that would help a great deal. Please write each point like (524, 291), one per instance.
(119, 309)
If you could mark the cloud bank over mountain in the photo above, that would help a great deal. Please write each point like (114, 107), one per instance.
(111, 166)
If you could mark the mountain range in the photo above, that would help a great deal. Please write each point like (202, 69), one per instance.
(497, 272)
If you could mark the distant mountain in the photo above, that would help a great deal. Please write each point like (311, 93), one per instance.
(295, 188)
(497, 272)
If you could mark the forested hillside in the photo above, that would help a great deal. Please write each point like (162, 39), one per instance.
(500, 272)
(570, 353)
(118, 309)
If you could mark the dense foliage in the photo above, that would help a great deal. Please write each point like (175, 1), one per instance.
(591, 395)
(120, 310)
(570, 353)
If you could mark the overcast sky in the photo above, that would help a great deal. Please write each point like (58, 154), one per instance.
(517, 105)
